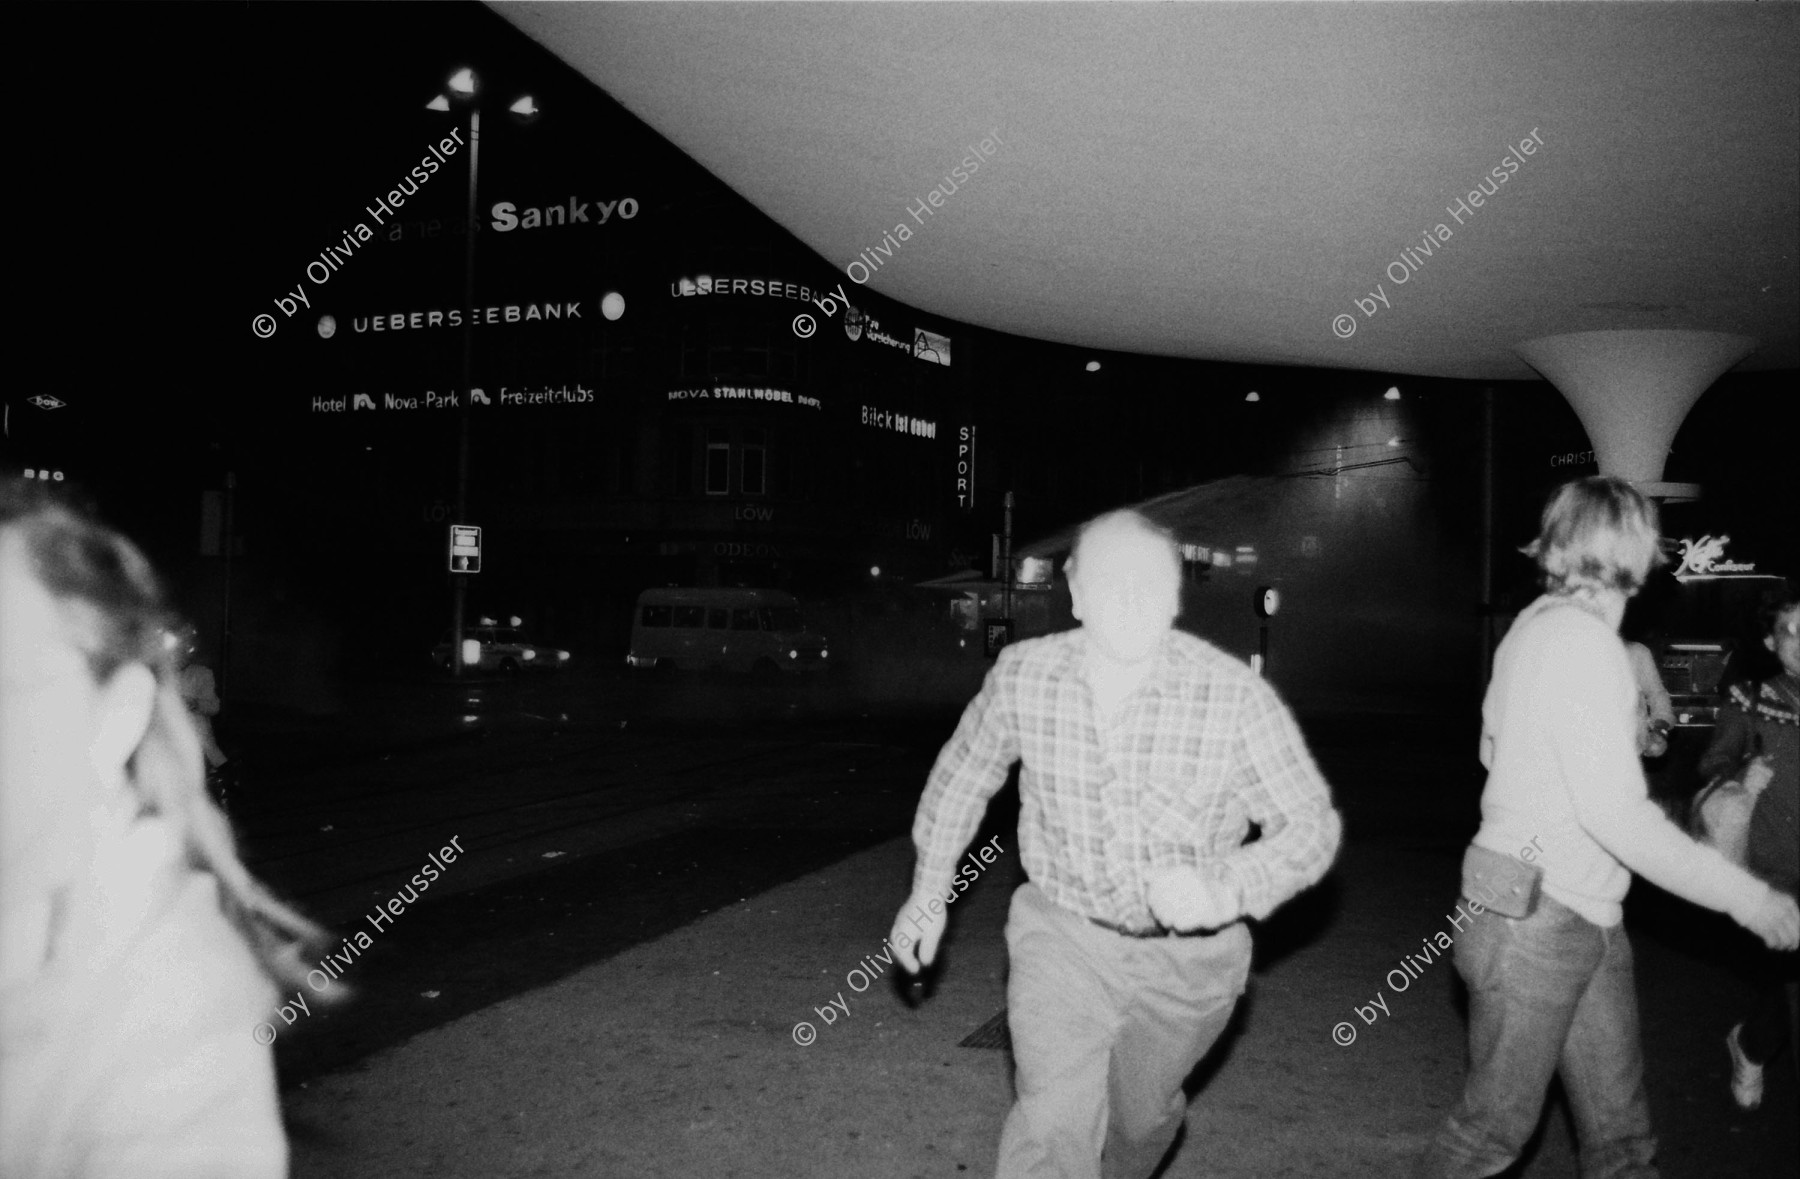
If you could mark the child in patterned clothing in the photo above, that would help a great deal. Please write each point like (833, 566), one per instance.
(1758, 743)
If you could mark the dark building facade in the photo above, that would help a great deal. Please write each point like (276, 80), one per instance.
(665, 388)
(653, 410)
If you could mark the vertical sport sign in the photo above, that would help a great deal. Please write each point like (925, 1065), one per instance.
(965, 467)
(465, 548)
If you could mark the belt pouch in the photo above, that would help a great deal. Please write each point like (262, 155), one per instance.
(1506, 885)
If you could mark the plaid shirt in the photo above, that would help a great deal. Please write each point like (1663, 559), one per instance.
(1200, 750)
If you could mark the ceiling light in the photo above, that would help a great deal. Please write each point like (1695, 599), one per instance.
(1253, 395)
(1393, 393)
(1093, 366)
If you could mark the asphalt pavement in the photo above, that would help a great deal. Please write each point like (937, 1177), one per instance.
(676, 991)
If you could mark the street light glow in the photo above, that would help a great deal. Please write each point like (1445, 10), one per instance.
(1093, 366)
(1253, 395)
(1393, 393)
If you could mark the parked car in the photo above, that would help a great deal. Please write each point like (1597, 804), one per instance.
(501, 647)
(746, 630)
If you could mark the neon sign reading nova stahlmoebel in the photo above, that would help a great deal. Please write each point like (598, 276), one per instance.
(743, 393)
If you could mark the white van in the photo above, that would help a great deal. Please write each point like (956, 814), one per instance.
(753, 630)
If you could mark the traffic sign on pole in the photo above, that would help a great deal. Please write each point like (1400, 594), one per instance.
(465, 548)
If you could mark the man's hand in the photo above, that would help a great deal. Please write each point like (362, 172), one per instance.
(1775, 919)
(1187, 899)
(1758, 775)
(917, 931)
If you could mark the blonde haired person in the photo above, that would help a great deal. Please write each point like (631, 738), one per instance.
(1565, 821)
(137, 955)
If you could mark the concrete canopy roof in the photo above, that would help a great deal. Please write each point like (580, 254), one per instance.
(1221, 181)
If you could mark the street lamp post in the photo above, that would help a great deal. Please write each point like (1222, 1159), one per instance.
(463, 89)
(460, 583)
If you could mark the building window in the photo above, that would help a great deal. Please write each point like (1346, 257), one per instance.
(679, 455)
(718, 462)
(754, 476)
(693, 361)
(624, 476)
(719, 351)
(753, 355)
(781, 465)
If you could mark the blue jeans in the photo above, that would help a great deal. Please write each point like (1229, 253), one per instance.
(1549, 993)
(1105, 1029)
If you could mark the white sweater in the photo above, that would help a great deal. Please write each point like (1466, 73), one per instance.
(1559, 740)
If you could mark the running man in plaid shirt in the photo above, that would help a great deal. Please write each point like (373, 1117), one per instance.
(1147, 754)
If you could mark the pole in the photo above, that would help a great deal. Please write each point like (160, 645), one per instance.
(225, 611)
(1262, 646)
(1006, 560)
(1487, 533)
(460, 581)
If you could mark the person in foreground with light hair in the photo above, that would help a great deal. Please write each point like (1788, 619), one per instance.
(1147, 753)
(136, 952)
(1566, 819)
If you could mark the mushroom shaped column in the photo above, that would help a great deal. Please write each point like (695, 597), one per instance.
(1632, 389)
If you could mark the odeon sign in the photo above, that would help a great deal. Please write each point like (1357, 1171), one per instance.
(728, 548)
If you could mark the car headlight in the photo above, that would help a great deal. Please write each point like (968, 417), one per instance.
(562, 656)
(823, 653)
(793, 654)
(528, 653)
